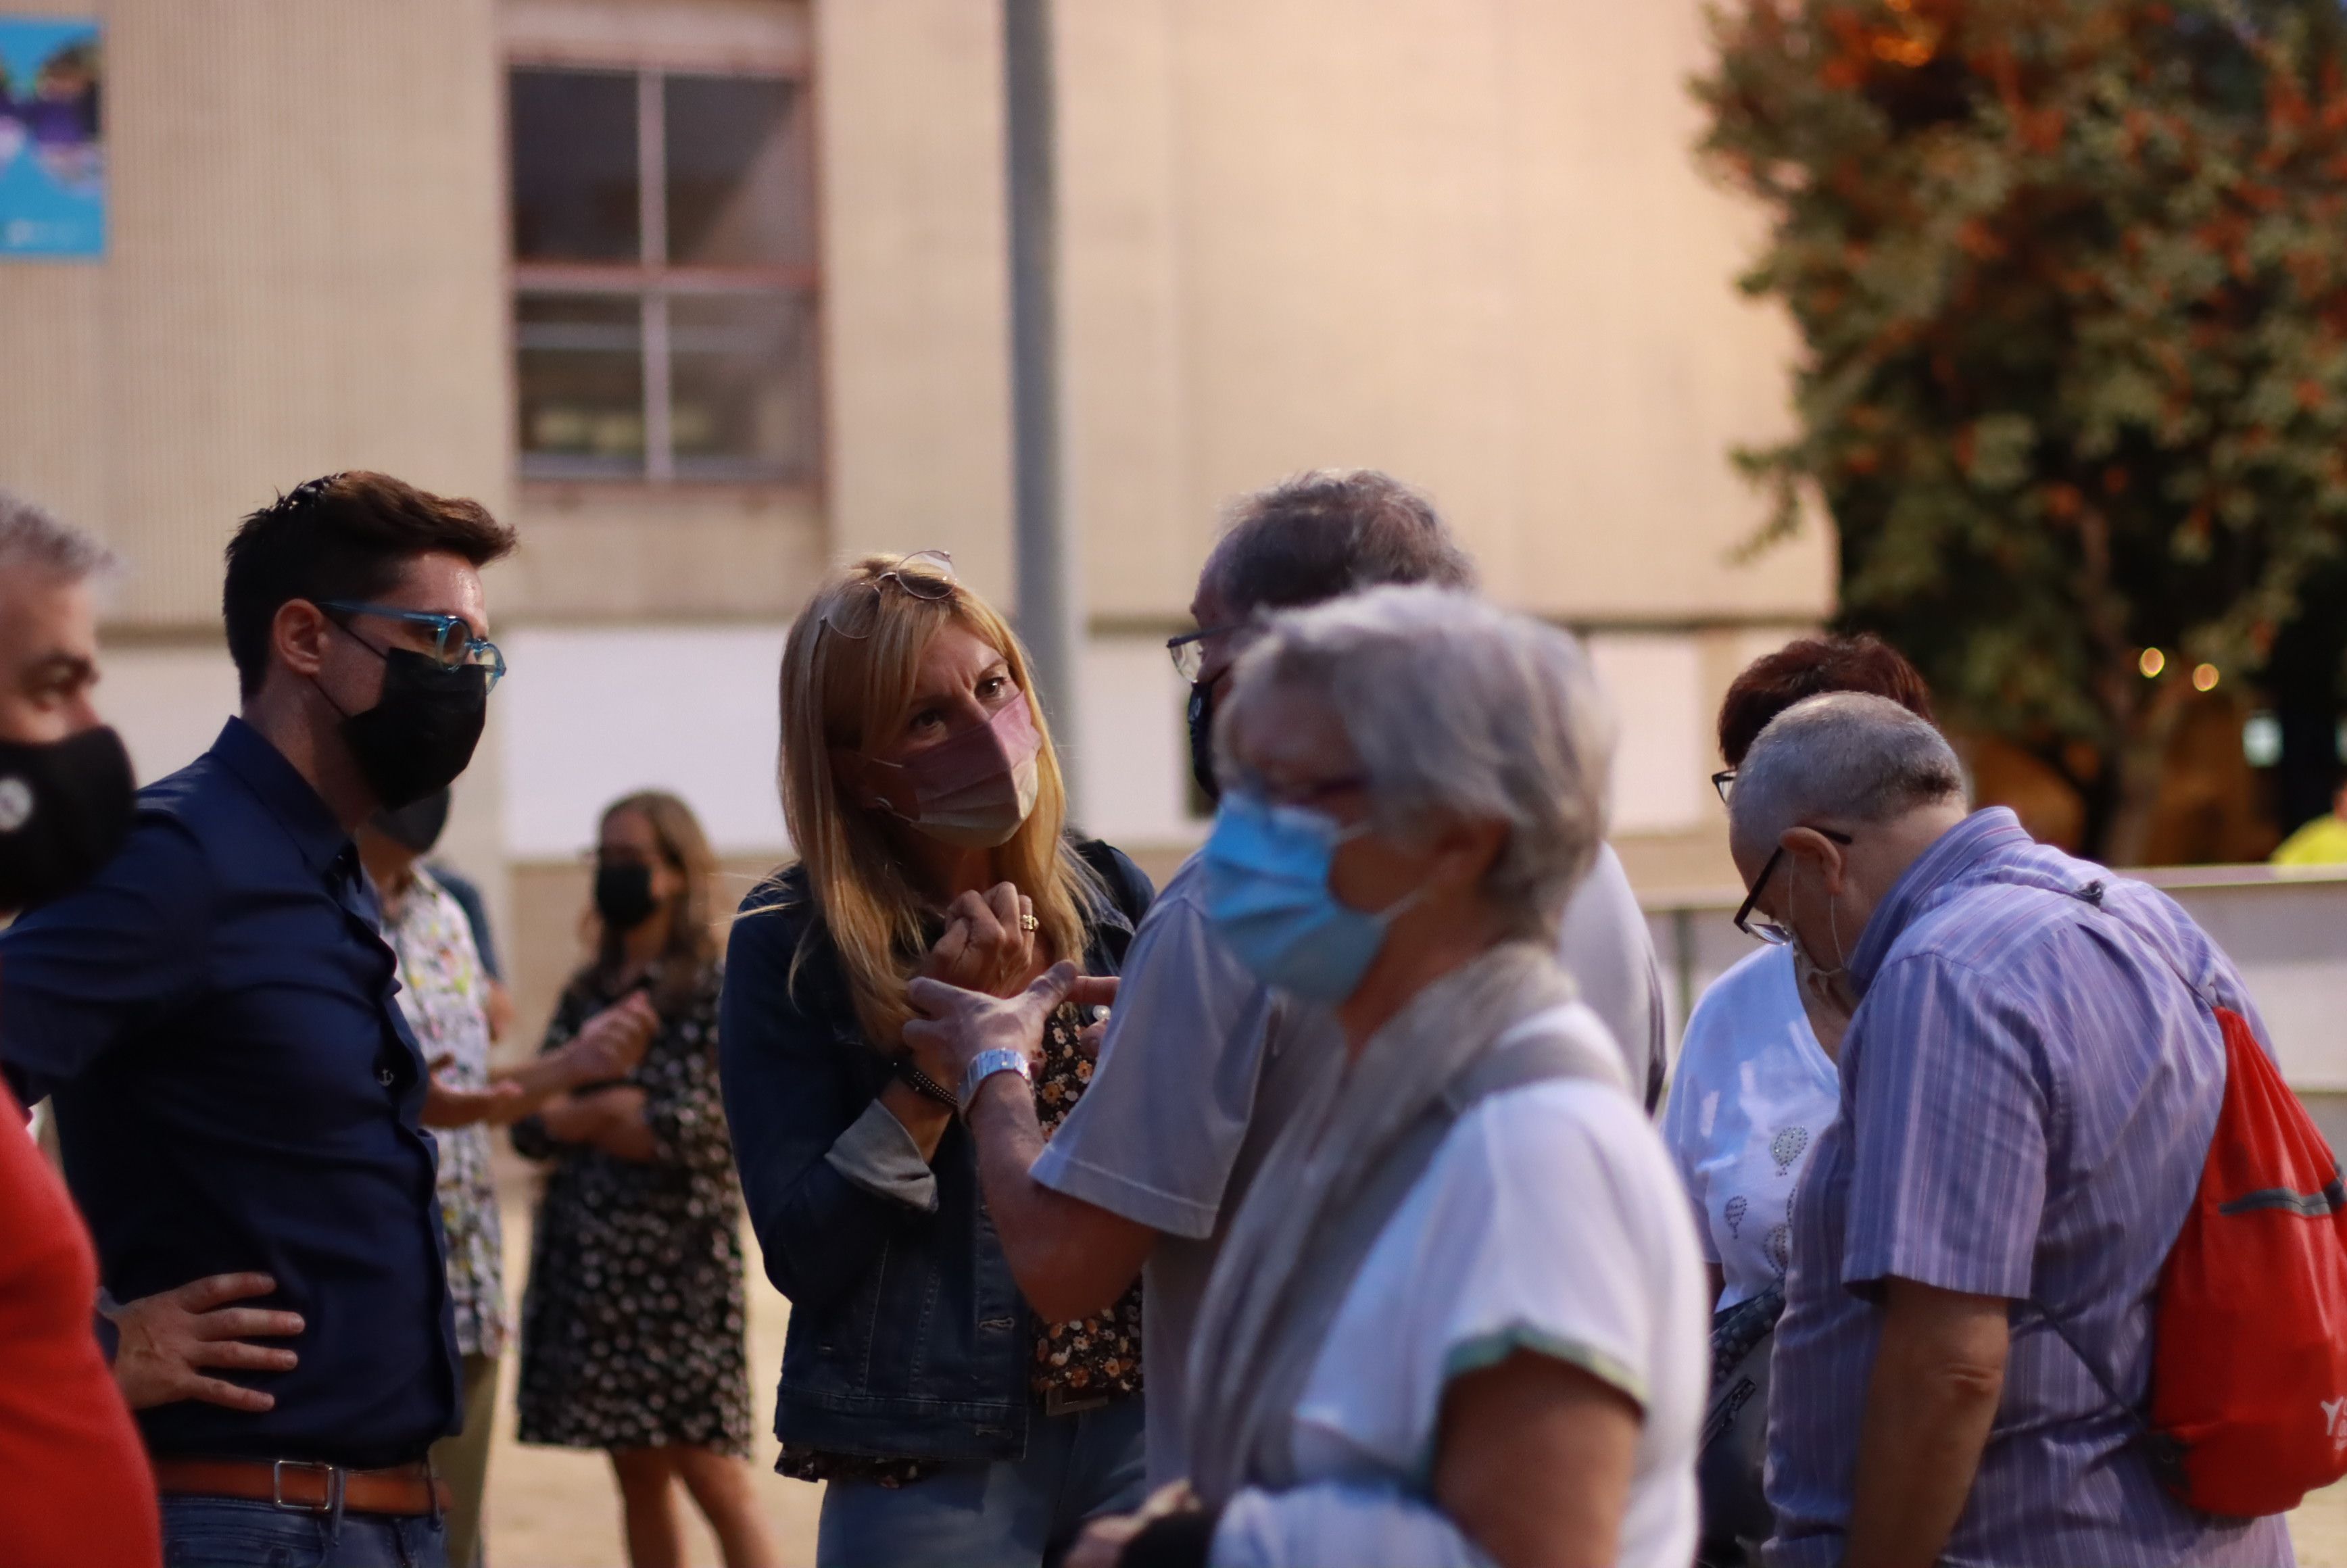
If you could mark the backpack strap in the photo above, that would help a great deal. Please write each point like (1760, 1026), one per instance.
(2092, 894)
(2165, 1451)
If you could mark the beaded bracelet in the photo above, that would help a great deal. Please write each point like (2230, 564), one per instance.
(925, 1086)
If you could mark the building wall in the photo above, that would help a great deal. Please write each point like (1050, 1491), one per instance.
(596, 554)
(1458, 238)
(304, 275)
(1462, 239)
(916, 286)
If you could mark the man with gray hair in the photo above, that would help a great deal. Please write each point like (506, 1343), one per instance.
(2030, 1085)
(78, 1490)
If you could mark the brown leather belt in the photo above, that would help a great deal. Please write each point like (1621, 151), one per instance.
(306, 1487)
(1060, 1402)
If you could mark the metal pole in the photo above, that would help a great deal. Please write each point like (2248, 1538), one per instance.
(1048, 619)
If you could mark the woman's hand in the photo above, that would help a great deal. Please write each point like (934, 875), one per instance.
(987, 946)
(1104, 1540)
(611, 1043)
(567, 1118)
(612, 1120)
(447, 1105)
(1102, 1543)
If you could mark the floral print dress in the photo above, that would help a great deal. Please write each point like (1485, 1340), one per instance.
(633, 1324)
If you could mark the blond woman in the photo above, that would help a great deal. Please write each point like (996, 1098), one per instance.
(926, 803)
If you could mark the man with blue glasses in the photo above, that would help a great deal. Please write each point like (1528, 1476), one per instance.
(237, 1090)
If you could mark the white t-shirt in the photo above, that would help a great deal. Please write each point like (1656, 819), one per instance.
(1202, 1068)
(1753, 1093)
(1549, 1220)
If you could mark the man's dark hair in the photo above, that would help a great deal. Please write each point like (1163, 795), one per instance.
(1322, 535)
(347, 535)
(1807, 668)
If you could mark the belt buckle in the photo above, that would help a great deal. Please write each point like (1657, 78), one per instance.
(1059, 1402)
(334, 1485)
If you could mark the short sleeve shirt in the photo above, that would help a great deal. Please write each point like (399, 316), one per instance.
(2029, 1087)
(1204, 1066)
(1550, 1221)
(1753, 1094)
(444, 992)
(1201, 1069)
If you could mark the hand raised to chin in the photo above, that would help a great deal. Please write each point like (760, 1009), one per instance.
(987, 945)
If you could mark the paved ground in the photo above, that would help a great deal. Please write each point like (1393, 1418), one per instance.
(556, 1507)
(2319, 1529)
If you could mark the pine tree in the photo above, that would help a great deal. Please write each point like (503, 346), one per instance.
(2071, 276)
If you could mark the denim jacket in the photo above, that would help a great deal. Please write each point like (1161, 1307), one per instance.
(908, 1337)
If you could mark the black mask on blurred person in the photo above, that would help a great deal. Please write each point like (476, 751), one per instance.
(415, 826)
(1202, 738)
(623, 896)
(64, 809)
(421, 733)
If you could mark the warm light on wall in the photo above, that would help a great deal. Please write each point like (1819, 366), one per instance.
(2152, 663)
(2204, 678)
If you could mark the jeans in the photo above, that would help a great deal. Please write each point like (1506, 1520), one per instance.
(229, 1532)
(1010, 1513)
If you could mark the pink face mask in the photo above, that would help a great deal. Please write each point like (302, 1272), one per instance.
(974, 791)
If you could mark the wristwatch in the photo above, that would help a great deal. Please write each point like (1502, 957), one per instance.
(985, 1065)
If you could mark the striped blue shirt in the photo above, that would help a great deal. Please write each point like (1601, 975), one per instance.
(2028, 1093)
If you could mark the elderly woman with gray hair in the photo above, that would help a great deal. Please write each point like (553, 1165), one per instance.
(1460, 1318)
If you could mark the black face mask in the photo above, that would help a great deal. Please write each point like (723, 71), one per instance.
(415, 828)
(421, 733)
(64, 809)
(1202, 738)
(623, 896)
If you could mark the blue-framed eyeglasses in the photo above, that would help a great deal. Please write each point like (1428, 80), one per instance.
(454, 646)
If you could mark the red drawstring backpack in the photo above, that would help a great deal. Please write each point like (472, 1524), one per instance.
(2249, 1371)
(2249, 1354)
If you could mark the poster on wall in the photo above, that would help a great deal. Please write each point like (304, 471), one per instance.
(52, 157)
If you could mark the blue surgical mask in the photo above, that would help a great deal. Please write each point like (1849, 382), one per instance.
(1267, 870)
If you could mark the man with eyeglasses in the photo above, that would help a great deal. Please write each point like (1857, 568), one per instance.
(236, 1088)
(2030, 1082)
(1203, 1066)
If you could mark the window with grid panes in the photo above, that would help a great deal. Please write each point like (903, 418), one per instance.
(664, 282)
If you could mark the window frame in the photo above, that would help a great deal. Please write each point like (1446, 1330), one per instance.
(654, 281)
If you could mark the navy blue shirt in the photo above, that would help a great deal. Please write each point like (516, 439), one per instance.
(235, 1089)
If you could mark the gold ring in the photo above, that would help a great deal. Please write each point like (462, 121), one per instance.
(1029, 923)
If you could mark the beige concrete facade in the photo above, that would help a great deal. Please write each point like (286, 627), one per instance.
(1462, 239)
(305, 273)
(1462, 242)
